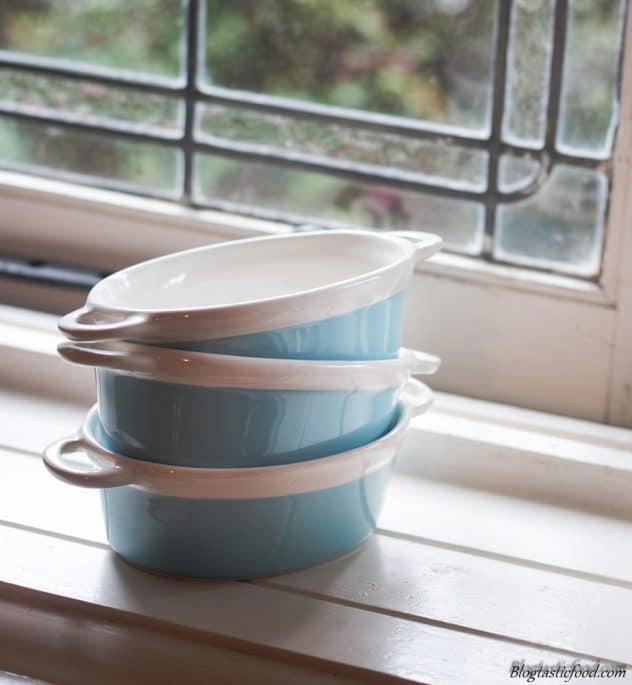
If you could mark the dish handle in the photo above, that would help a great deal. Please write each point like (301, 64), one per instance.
(101, 357)
(88, 324)
(419, 362)
(416, 395)
(426, 244)
(77, 462)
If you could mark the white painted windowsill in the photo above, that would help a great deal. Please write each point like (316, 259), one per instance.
(506, 535)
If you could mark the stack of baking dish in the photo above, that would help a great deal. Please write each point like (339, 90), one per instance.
(251, 399)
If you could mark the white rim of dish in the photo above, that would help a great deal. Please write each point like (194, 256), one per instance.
(204, 369)
(98, 320)
(102, 468)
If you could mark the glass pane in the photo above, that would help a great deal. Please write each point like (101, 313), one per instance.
(426, 60)
(589, 103)
(89, 103)
(281, 192)
(313, 139)
(87, 157)
(528, 68)
(559, 227)
(515, 173)
(143, 36)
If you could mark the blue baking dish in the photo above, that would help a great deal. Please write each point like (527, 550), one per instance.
(205, 410)
(236, 523)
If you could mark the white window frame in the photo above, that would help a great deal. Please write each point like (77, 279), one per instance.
(507, 334)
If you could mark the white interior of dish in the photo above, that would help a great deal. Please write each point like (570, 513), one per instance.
(247, 271)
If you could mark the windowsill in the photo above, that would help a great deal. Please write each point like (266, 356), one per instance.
(497, 521)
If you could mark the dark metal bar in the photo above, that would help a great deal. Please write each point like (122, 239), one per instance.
(48, 274)
(107, 77)
(126, 132)
(498, 109)
(190, 94)
(557, 67)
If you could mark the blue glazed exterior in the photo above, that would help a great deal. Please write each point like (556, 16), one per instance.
(189, 425)
(243, 538)
(372, 332)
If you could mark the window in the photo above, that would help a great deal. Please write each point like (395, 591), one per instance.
(488, 122)
(129, 130)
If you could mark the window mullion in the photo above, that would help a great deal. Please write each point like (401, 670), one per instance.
(191, 93)
(498, 108)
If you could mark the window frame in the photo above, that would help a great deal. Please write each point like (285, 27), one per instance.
(534, 339)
